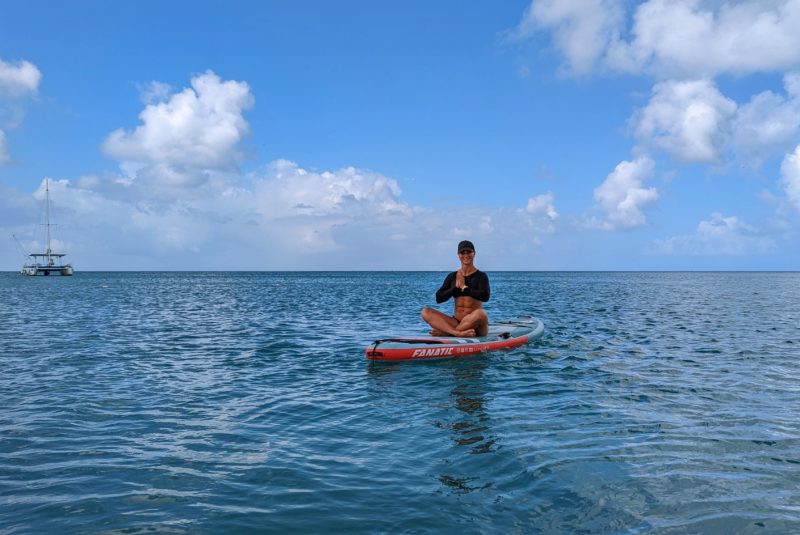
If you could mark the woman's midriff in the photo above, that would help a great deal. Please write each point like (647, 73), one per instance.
(464, 305)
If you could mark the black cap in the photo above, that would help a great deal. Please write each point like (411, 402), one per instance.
(465, 245)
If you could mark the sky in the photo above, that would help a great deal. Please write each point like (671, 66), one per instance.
(362, 135)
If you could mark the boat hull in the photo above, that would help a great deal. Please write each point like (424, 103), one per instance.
(33, 271)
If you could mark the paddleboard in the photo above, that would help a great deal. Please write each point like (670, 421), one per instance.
(502, 335)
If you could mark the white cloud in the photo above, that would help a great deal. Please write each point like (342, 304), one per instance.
(670, 38)
(623, 197)
(690, 38)
(174, 228)
(722, 235)
(686, 44)
(336, 210)
(155, 92)
(790, 177)
(310, 207)
(188, 140)
(543, 205)
(582, 29)
(19, 80)
(181, 202)
(688, 119)
(284, 217)
(105, 227)
(695, 123)
(288, 190)
(181, 194)
(4, 157)
(542, 213)
(769, 122)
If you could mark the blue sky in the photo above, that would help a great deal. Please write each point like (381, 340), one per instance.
(555, 134)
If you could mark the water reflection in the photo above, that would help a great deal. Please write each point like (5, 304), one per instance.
(457, 390)
(470, 425)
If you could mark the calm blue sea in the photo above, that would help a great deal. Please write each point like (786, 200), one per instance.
(242, 402)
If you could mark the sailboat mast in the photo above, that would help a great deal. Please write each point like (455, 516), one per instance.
(47, 211)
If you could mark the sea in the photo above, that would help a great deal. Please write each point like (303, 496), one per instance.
(242, 402)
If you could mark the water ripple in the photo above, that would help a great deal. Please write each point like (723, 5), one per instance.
(217, 402)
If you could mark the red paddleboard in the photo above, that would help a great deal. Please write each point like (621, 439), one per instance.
(502, 335)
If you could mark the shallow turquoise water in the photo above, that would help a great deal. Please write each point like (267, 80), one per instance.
(219, 402)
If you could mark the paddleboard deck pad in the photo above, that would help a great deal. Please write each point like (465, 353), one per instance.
(502, 335)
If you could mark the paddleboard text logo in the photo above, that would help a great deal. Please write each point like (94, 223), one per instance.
(434, 352)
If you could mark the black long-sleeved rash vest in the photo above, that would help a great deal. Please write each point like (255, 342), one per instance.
(477, 287)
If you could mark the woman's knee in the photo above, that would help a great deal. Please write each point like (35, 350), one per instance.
(478, 315)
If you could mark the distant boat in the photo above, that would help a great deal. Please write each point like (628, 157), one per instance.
(48, 262)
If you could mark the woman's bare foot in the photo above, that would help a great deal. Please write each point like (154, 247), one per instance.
(469, 333)
(437, 332)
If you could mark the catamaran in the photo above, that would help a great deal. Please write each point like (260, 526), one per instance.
(48, 262)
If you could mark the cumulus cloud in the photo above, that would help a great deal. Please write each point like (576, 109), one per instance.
(769, 122)
(623, 197)
(324, 211)
(582, 29)
(542, 214)
(289, 190)
(721, 235)
(790, 177)
(688, 119)
(685, 44)
(688, 43)
(690, 38)
(19, 80)
(670, 38)
(695, 123)
(181, 202)
(188, 139)
(309, 207)
(284, 217)
(95, 228)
